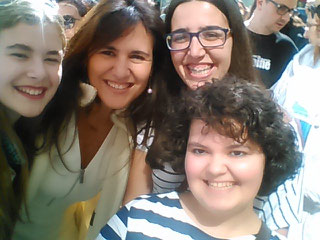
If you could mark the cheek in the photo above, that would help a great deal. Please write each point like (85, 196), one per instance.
(177, 59)
(251, 172)
(193, 166)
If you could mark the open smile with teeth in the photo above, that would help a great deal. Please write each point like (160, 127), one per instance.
(118, 86)
(220, 185)
(31, 91)
(200, 70)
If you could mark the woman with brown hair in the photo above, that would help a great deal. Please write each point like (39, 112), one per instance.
(84, 141)
(31, 49)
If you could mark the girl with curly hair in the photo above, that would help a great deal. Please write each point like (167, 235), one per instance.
(231, 141)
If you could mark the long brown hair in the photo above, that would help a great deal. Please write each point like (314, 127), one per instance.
(103, 24)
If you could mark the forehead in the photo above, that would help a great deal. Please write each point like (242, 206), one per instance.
(197, 14)
(38, 37)
(135, 38)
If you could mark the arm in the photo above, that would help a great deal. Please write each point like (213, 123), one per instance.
(140, 177)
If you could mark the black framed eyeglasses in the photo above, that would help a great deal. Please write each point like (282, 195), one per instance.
(69, 21)
(212, 37)
(314, 10)
(283, 9)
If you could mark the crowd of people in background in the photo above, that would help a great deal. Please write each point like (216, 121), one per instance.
(149, 119)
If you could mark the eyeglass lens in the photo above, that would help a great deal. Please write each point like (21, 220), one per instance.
(207, 38)
(69, 21)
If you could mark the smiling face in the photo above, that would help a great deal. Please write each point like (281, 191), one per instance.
(30, 66)
(223, 175)
(272, 21)
(120, 71)
(196, 64)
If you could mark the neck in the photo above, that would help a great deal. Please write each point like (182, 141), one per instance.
(255, 24)
(221, 224)
(98, 114)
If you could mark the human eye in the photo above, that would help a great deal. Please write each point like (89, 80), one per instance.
(180, 37)
(212, 35)
(20, 56)
(198, 151)
(283, 9)
(238, 153)
(52, 60)
(107, 52)
(137, 57)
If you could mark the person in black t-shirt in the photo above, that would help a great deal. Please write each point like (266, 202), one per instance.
(272, 50)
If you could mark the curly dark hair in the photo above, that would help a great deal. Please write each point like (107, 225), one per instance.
(225, 105)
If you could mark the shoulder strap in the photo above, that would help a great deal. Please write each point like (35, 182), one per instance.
(264, 232)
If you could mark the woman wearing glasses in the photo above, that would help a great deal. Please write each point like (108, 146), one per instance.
(297, 92)
(205, 45)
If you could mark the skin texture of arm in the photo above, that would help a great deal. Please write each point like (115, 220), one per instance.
(140, 177)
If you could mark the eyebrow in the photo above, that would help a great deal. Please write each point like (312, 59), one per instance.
(232, 146)
(20, 46)
(133, 52)
(29, 49)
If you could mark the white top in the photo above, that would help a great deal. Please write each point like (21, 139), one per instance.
(52, 188)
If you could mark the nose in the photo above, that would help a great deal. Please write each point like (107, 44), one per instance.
(37, 70)
(121, 68)
(217, 165)
(196, 50)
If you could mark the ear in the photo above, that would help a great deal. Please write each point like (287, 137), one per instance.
(260, 3)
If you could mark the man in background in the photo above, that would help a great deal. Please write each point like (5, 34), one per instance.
(272, 50)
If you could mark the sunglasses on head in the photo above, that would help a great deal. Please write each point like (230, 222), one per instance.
(314, 10)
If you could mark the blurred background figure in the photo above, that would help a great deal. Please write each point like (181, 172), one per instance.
(243, 9)
(72, 12)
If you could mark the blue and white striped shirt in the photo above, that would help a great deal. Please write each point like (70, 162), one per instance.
(157, 216)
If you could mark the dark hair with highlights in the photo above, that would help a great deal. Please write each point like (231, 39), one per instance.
(225, 105)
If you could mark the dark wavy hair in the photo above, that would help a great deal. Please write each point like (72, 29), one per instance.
(225, 105)
(105, 23)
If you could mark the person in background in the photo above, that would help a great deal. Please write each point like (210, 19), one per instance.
(272, 50)
(32, 45)
(85, 140)
(231, 141)
(72, 12)
(243, 9)
(297, 93)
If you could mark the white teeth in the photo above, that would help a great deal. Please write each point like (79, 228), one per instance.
(200, 71)
(33, 92)
(117, 86)
(221, 185)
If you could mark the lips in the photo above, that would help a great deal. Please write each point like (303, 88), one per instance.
(118, 86)
(31, 92)
(200, 70)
